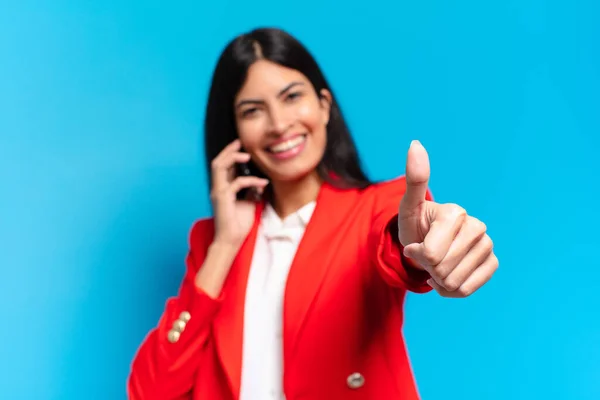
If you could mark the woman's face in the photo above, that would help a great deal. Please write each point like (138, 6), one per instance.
(281, 121)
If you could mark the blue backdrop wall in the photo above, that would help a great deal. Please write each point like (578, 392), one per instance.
(101, 175)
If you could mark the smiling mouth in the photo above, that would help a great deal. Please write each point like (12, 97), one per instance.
(288, 145)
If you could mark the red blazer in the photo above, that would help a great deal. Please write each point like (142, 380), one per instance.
(343, 311)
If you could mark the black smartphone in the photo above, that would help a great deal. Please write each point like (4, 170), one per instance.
(251, 193)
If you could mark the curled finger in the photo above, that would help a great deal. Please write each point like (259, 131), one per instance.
(470, 235)
(223, 171)
(476, 280)
(244, 182)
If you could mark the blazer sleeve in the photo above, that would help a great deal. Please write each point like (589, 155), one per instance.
(165, 365)
(386, 250)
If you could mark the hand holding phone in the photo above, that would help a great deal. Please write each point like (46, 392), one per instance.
(231, 182)
(249, 193)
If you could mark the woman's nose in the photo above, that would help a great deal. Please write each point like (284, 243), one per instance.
(280, 120)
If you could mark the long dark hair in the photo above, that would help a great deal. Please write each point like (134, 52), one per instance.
(340, 164)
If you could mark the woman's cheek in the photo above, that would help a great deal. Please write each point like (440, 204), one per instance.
(308, 116)
(251, 133)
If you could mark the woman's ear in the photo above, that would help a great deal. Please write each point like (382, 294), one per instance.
(326, 99)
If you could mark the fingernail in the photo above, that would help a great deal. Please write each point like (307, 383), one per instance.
(414, 142)
(430, 282)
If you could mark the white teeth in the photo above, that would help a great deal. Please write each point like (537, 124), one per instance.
(287, 145)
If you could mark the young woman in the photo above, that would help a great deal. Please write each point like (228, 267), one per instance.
(298, 292)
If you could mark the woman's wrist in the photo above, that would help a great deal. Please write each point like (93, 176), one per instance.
(214, 271)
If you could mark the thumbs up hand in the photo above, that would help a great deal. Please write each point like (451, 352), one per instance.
(442, 238)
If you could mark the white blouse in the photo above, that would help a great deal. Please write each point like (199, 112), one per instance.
(262, 354)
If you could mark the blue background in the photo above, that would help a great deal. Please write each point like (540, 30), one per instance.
(101, 171)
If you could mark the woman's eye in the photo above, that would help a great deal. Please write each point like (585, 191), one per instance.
(293, 96)
(249, 111)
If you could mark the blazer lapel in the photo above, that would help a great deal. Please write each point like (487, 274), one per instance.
(229, 321)
(310, 263)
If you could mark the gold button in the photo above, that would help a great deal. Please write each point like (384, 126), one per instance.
(173, 336)
(178, 325)
(185, 316)
(355, 380)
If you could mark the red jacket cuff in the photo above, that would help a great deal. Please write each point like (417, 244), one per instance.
(182, 323)
(393, 266)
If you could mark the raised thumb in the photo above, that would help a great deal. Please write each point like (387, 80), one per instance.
(417, 177)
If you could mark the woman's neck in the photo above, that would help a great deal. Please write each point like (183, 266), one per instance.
(289, 197)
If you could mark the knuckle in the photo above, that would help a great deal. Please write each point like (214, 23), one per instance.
(487, 243)
(451, 284)
(495, 263)
(457, 211)
(465, 291)
(453, 212)
(431, 255)
(442, 271)
(478, 226)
